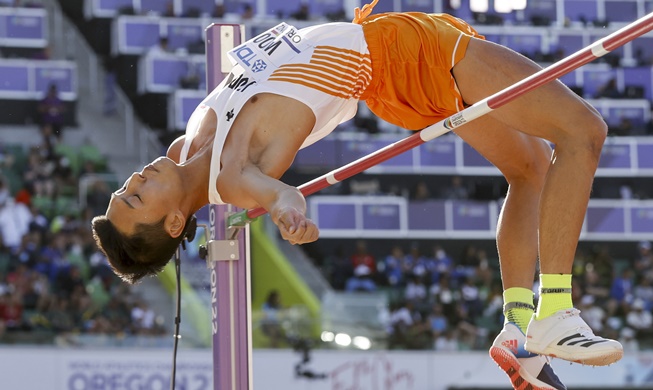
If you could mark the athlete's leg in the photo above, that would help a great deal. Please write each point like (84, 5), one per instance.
(525, 168)
(554, 113)
(524, 161)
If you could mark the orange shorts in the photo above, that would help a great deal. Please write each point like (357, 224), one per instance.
(412, 56)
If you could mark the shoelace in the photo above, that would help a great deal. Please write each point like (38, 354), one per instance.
(361, 14)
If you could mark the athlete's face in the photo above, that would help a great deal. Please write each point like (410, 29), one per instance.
(147, 196)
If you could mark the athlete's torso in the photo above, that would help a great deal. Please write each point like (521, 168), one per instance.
(326, 67)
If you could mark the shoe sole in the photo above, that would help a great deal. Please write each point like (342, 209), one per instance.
(511, 366)
(604, 359)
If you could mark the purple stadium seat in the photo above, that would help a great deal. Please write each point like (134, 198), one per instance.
(282, 8)
(203, 6)
(540, 10)
(237, 6)
(596, 77)
(636, 115)
(640, 76)
(643, 48)
(526, 44)
(620, 11)
(417, 6)
(157, 6)
(180, 35)
(382, 6)
(323, 7)
(569, 43)
(577, 10)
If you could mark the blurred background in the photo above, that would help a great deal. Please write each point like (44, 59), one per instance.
(402, 291)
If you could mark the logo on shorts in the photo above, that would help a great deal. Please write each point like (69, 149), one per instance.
(258, 66)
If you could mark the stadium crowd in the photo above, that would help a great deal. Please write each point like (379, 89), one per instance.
(446, 302)
(53, 280)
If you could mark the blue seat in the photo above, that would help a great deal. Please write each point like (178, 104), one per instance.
(640, 76)
(569, 43)
(323, 7)
(417, 6)
(526, 44)
(540, 10)
(643, 47)
(180, 35)
(203, 6)
(282, 8)
(577, 10)
(596, 77)
(156, 6)
(620, 11)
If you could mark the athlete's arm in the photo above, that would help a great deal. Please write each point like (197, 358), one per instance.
(249, 187)
(260, 147)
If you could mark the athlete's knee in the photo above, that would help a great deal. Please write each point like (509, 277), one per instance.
(591, 133)
(583, 133)
(532, 167)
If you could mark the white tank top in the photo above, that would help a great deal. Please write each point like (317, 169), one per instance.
(327, 67)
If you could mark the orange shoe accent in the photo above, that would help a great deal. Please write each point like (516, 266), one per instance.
(361, 14)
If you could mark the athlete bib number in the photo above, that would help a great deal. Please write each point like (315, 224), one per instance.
(264, 53)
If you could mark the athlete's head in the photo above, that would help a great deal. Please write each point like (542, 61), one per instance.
(143, 225)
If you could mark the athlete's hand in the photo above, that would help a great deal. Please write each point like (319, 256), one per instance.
(295, 227)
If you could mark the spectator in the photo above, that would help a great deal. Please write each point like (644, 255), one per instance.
(594, 315)
(643, 289)
(447, 342)
(52, 109)
(361, 256)
(302, 13)
(438, 321)
(415, 290)
(271, 323)
(143, 318)
(362, 280)
(248, 12)
(11, 312)
(15, 219)
(338, 268)
(640, 319)
(393, 266)
(644, 258)
(457, 189)
(422, 192)
(622, 286)
(161, 48)
(627, 338)
(609, 90)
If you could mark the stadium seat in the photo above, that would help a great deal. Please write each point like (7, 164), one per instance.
(581, 10)
(620, 11)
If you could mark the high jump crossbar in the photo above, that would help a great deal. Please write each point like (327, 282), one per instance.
(560, 68)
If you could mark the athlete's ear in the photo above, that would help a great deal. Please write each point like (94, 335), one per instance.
(175, 223)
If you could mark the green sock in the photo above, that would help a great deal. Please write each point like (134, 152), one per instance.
(555, 294)
(518, 306)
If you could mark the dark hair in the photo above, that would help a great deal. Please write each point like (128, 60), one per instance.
(143, 253)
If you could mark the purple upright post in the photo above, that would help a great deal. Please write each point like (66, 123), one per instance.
(228, 253)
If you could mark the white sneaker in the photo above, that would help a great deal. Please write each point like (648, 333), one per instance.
(527, 371)
(567, 336)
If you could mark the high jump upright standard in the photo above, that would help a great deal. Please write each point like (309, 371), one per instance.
(228, 252)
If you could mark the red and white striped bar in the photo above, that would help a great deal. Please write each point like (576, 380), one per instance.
(231, 310)
(562, 67)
